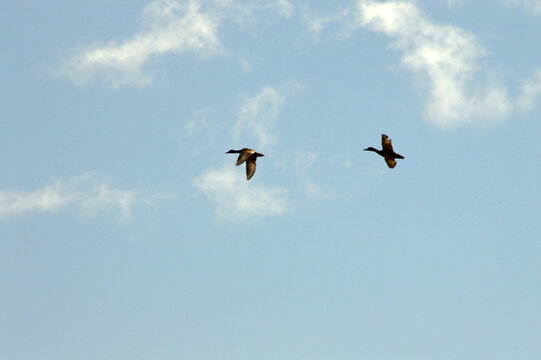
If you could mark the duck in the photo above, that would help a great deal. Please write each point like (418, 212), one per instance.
(249, 156)
(387, 151)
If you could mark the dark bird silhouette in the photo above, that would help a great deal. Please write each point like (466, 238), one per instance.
(249, 156)
(387, 151)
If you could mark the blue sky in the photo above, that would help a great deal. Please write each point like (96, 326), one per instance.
(126, 232)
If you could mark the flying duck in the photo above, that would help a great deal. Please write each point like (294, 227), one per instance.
(248, 155)
(387, 152)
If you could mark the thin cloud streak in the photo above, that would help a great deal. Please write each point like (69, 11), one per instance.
(170, 27)
(316, 22)
(89, 193)
(532, 5)
(236, 199)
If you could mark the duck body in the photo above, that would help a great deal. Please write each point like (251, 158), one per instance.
(249, 156)
(387, 151)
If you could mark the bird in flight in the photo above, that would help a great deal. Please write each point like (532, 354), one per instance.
(387, 151)
(249, 156)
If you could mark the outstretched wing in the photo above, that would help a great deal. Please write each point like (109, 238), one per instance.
(390, 162)
(250, 169)
(386, 143)
(243, 156)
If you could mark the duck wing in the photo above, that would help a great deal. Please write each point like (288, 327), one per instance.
(244, 155)
(250, 168)
(386, 143)
(390, 161)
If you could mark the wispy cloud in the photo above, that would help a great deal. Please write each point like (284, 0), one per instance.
(453, 3)
(530, 91)
(88, 193)
(258, 114)
(169, 27)
(446, 57)
(198, 131)
(531, 5)
(315, 23)
(301, 164)
(283, 7)
(236, 199)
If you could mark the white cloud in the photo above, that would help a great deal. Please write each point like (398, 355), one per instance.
(532, 5)
(237, 199)
(89, 193)
(446, 57)
(530, 91)
(170, 27)
(258, 114)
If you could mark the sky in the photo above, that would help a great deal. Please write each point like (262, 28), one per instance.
(126, 232)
